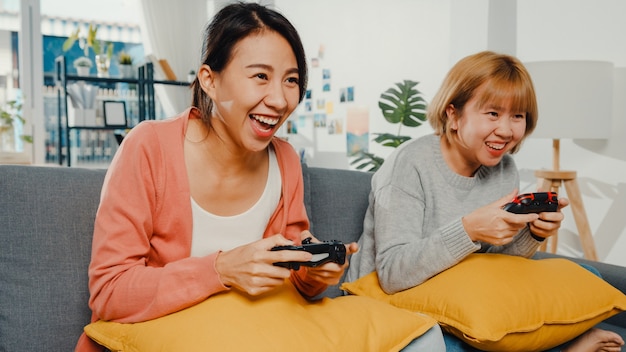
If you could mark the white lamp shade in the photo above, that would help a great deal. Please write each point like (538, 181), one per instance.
(575, 98)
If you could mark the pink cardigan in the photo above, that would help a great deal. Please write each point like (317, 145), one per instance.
(140, 267)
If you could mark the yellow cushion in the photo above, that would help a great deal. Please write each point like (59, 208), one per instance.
(499, 302)
(278, 321)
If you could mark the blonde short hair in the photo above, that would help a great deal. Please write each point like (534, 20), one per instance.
(507, 79)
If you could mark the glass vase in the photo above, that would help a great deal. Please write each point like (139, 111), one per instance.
(102, 64)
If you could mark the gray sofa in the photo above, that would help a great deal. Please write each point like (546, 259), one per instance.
(46, 222)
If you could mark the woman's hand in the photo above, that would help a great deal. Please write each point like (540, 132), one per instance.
(548, 223)
(329, 273)
(250, 268)
(492, 224)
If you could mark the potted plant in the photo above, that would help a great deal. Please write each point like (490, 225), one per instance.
(10, 116)
(401, 104)
(83, 65)
(84, 42)
(125, 63)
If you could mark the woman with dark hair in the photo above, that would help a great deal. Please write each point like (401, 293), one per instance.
(192, 206)
(228, 27)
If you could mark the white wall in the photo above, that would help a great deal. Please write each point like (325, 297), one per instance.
(583, 30)
(372, 44)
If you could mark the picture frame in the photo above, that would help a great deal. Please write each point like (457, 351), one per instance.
(114, 113)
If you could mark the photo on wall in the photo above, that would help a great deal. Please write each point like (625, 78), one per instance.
(346, 94)
(326, 80)
(319, 120)
(357, 129)
(335, 126)
(292, 127)
(321, 104)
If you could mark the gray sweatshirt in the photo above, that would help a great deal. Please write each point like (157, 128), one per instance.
(413, 230)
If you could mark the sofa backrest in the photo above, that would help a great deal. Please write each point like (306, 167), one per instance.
(46, 226)
(336, 201)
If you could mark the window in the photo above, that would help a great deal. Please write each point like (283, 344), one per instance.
(14, 134)
(39, 42)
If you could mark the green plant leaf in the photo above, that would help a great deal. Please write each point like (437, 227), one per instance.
(109, 49)
(390, 140)
(10, 112)
(91, 40)
(124, 58)
(367, 161)
(96, 47)
(69, 42)
(92, 32)
(403, 104)
(6, 117)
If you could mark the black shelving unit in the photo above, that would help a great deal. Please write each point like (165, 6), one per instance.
(145, 98)
(149, 82)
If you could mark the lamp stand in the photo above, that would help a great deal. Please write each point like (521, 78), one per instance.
(552, 180)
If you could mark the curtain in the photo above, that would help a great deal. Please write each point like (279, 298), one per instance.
(173, 30)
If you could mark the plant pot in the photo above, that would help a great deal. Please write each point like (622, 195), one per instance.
(126, 71)
(83, 70)
(102, 64)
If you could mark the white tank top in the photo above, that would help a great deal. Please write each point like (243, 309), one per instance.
(212, 233)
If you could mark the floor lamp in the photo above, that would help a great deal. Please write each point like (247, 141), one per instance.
(575, 102)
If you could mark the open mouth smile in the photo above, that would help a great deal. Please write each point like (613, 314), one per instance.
(270, 121)
(264, 124)
(496, 146)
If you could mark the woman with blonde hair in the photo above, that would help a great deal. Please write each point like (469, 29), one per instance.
(439, 198)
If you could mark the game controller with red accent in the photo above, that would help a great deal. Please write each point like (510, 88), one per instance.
(537, 202)
(324, 252)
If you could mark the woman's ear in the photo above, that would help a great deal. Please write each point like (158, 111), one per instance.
(207, 80)
(453, 118)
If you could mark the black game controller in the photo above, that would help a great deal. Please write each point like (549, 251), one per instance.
(533, 203)
(324, 252)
